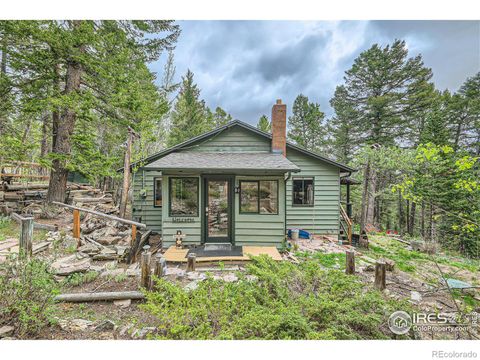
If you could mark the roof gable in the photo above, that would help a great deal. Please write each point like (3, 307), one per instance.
(196, 141)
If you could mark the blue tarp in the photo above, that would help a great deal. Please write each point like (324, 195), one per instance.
(302, 234)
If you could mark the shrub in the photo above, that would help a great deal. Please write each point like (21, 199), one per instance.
(27, 290)
(287, 301)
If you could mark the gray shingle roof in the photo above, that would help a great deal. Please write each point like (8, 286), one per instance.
(223, 161)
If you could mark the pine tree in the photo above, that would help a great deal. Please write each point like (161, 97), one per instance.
(264, 124)
(220, 117)
(306, 124)
(385, 89)
(190, 116)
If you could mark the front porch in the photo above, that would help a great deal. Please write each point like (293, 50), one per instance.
(179, 255)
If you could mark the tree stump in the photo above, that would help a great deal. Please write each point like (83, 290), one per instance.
(350, 262)
(380, 278)
(191, 260)
(145, 268)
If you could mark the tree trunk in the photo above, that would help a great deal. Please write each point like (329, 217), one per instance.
(371, 196)
(126, 175)
(364, 198)
(422, 220)
(407, 217)
(64, 130)
(400, 213)
(3, 72)
(411, 219)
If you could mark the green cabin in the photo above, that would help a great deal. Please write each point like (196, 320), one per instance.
(238, 185)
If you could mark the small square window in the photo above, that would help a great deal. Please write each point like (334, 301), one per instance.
(157, 192)
(259, 197)
(303, 192)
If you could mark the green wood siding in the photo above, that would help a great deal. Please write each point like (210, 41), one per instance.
(323, 217)
(260, 229)
(234, 139)
(192, 230)
(143, 208)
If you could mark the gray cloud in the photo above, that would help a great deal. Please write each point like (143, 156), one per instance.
(243, 66)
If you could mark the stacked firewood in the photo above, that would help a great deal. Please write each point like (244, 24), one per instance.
(28, 197)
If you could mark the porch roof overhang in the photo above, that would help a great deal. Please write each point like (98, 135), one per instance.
(224, 162)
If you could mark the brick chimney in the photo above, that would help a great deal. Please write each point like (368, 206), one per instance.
(279, 128)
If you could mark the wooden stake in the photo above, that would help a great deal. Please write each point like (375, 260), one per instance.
(145, 267)
(350, 262)
(76, 224)
(26, 237)
(134, 234)
(380, 279)
(191, 260)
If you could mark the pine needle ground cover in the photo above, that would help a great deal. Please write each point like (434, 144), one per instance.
(285, 301)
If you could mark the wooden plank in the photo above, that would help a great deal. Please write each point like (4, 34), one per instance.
(26, 237)
(174, 254)
(97, 213)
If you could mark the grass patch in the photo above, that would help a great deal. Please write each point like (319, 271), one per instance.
(78, 279)
(11, 229)
(287, 301)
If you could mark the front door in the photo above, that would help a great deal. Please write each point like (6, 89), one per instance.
(218, 209)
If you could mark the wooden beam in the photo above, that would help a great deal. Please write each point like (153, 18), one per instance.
(39, 226)
(145, 268)
(97, 213)
(134, 234)
(101, 296)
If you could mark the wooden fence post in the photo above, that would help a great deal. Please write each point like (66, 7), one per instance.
(380, 280)
(26, 237)
(134, 234)
(350, 262)
(76, 224)
(159, 268)
(145, 267)
(191, 260)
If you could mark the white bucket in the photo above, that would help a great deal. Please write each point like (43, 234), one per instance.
(295, 233)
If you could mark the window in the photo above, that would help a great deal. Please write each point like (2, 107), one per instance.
(184, 196)
(259, 197)
(157, 192)
(303, 194)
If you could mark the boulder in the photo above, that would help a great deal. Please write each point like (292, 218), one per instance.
(6, 331)
(105, 325)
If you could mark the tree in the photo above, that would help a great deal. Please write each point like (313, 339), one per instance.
(86, 72)
(264, 124)
(341, 128)
(306, 128)
(190, 116)
(384, 93)
(220, 117)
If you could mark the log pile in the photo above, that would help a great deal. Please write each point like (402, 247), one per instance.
(28, 198)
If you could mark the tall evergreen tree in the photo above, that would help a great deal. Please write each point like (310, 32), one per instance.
(190, 116)
(264, 124)
(306, 124)
(220, 117)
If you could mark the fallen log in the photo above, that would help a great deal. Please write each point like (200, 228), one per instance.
(111, 217)
(16, 187)
(101, 296)
(87, 200)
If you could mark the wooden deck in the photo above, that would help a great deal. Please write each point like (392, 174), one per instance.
(174, 254)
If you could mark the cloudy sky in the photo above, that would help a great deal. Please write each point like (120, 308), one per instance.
(243, 66)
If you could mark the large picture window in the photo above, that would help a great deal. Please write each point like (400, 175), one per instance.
(184, 196)
(259, 197)
(157, 192)
(303, 194)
